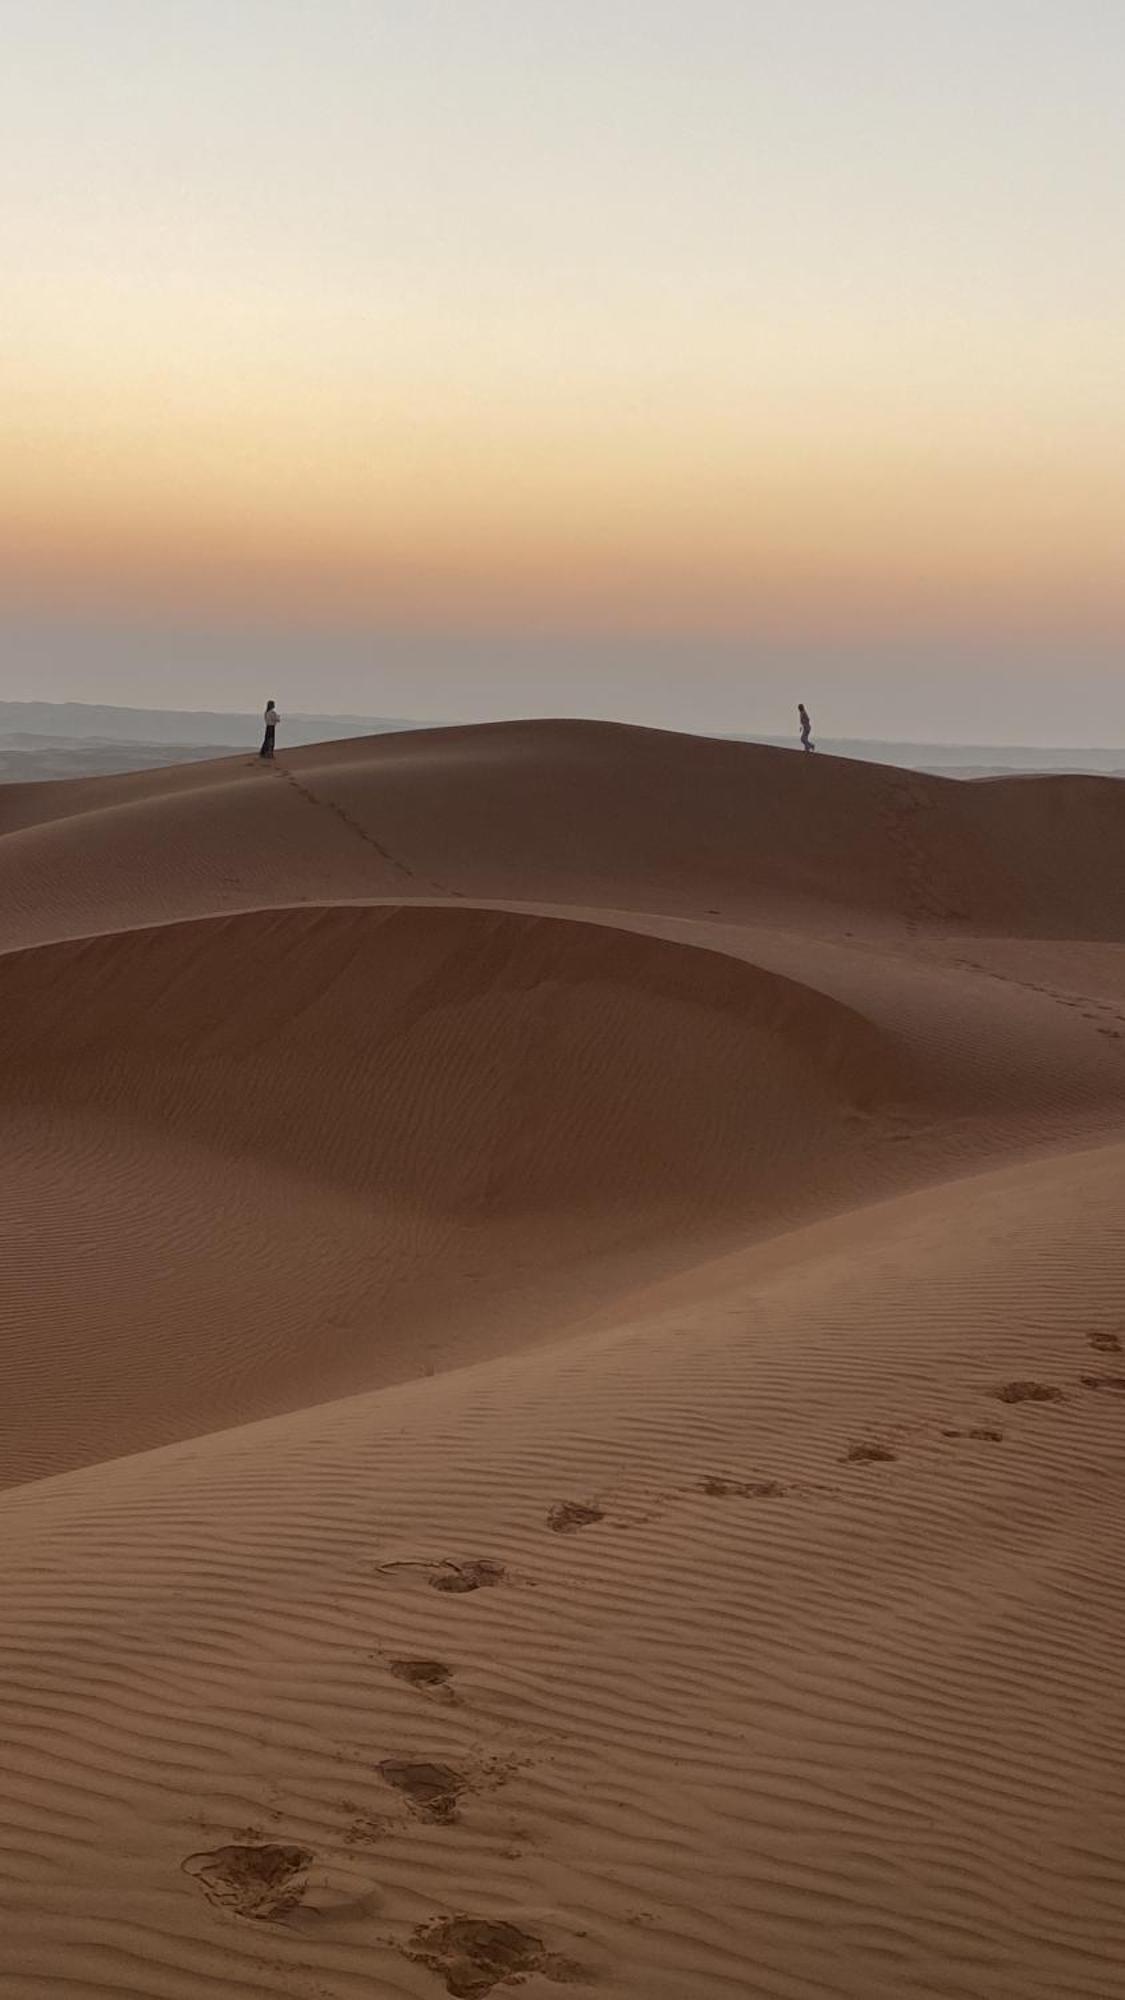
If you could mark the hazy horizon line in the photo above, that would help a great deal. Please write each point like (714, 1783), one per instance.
(380, 724)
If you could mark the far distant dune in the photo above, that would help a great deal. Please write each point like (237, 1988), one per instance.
(42, 740)
(971, 760)
(77, 721)
(30, 759)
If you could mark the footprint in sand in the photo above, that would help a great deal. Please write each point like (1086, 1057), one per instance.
(430, 1790)
(1029, 1392)
(1106, 1343)
(868, 1454)
(458, 1578)
(263, 1882)
(741, 1489)
(474, 1955)
(980, 1432)
(1103, 1382)
(567, 1516)
(423, 1673)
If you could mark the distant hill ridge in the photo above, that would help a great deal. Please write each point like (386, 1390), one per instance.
(80, 721)
(41, 740)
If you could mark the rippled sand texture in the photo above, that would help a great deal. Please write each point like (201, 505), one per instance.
(562, 1299)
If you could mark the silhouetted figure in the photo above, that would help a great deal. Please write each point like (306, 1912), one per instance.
(806, 727)
(272, 718)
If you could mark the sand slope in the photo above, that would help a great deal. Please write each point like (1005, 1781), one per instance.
(686, 1179)
(571, 812)
(270, 1159)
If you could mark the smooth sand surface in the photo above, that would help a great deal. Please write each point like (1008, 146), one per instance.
(564, 1409)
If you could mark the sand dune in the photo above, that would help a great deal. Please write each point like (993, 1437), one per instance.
(358, 1130)
(575, 813)
(565, 1333)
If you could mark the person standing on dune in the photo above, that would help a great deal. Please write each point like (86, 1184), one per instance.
(272, 718)
(806, 727)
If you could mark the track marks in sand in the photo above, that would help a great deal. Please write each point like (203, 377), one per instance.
(567, 1516)
(863, 1452)
(475, 1955)
(435, 1792)
(430, 1790)
(907, 808)
(741, 1489)
(1029, 1392)
(758, 1562)
(347, 819)
(433, 1675)
(264, 1882)
(1105, 1016)
(834, 1740)
(455, 1579)
(458, 1579)
(868, 1454)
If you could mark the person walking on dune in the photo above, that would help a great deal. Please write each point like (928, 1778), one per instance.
(806, 727)
(272, 718)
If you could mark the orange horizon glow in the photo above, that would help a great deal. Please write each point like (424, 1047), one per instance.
(783, 351)
(854, 540)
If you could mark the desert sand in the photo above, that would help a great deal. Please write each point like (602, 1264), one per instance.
(563, 1427)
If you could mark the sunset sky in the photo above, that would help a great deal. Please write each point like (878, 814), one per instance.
(456, 357)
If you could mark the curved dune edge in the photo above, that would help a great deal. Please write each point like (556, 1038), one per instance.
(803, 1702)
(225, 985)
(259, 1161)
